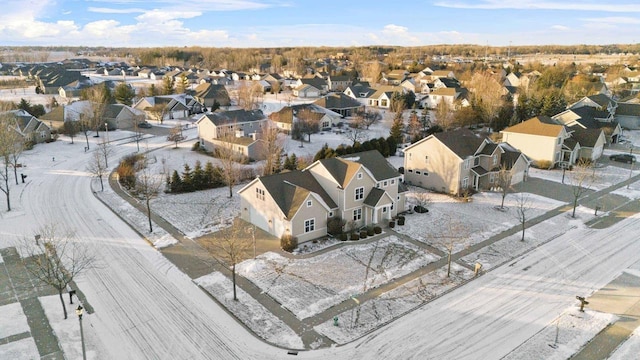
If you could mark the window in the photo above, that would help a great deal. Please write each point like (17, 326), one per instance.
(359, 193)
(465, 182)
(466, 164)
(309, 225)
(426, 158)
(378, 185)
(384, 209)
(260, 194)
(391, 208)
(492, 178)
(393, 181)
(410, 170)
(385, 183)
(495, 159)
(330, 214)
(425, 173)
(559, 141)
(359, 176)
(309, 203)
(357, 214)
(418, 172)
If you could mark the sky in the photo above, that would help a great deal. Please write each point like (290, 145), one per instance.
(281, 23)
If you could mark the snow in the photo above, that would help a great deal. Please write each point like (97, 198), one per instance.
(603, 176)
(573, 330)
(306, 287)
(15, 322)
(250, 312)
(146, 308)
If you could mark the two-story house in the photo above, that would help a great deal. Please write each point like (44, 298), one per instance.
(455, 161)
(361, 188)
(238, 129)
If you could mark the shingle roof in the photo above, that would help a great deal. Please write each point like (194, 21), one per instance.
(540, 125)
(338, 101)
(586, 137)
(628, 109)
(212, 91)
(462, 142)
(375, 163)
(600, 99)
(374, 197)
(341, 170)
(235, 116)
(290, 189)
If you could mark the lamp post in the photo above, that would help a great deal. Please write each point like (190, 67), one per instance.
(79, 311)
(252, 230)
(106, 130)
(630, 165)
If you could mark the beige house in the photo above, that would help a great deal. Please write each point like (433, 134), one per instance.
(455, 161)
(239, 123)
(362, 188)
(541, 139)
(26, 125)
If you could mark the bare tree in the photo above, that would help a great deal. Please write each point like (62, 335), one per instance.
(356, 132)
(272, 148)
(157, 112)
(504, 182)
(175, 135)
(487, 94)
(453, 232)
(233, 245)
(228, 160)
(148, 187)
(11, 146)
(422, 199)
(99, 100)
(97, 167)
(105, 150)
(581, 179)
(55, 259)
(523, 205)
(248, 95)
(369, 117)
(444, 115)
(307, 122)
(70, 128)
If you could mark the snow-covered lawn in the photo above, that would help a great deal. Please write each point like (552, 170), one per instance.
(24, 349)
(632, 192)
(572, 329)
(629, 348)
(374, 313)
(16, 321)
(479, 219)
(308, 286)
(250, 312)
(603, 178)
(512, 246)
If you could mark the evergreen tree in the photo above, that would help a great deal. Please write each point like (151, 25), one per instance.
(167, 85)
(124, 94)
(209, 175)
(396, 128)
(198, 177)
(187, 178)
(176, 182)
(277, 166)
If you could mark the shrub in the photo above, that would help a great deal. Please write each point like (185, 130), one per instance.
(370, 231)
(288, 243)
(543, 164)
(343, 237)
(196, 146)
(401, 220)
(363, 234)
(392, 224)
(355, 236)
(126, 175)
(377, 229)
(334, 225)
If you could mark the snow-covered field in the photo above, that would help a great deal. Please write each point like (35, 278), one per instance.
(603, 177)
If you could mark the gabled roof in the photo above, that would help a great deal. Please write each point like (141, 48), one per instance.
(601, 99)
(628, 109)
(540, 125)
(290, 189)
(316, 82)
(374, 197)
(586, 137)
(341, 170)
(462, 142)
(377, 165)
(234, 116)
(337, 101)
(212, 91)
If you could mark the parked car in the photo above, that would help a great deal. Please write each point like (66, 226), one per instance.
(625, 158)
(144, 125)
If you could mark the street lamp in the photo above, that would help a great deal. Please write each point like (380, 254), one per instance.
(79, 311)
(630, 165)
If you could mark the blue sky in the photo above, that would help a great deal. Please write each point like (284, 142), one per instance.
(275, 23)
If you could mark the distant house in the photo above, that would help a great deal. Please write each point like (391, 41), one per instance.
(288, 115)
(240, 123)
(455, 161)
(381, 98)
(339, 83)
(26, 125)
(591, 142)
(208, 93)
(339, 103)
(362, 188)
(306, 91)
(119, 116)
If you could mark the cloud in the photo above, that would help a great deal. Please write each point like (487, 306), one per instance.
(102, 10)
(395, 29)
(160, 16)
(203, 5)
(614, 20)
(539, 5)
(560, 27)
